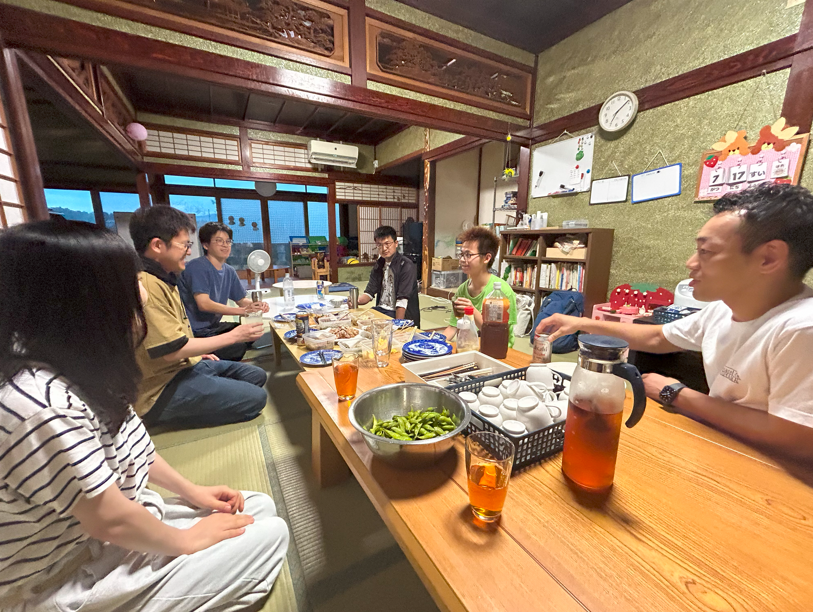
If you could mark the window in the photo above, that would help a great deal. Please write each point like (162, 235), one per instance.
(117, 202)
(289, 188)
(229, 184)
(245, 220)
(193, 181)
(11, 204)
(318, 222)
(317, 189)
(203, 207)
(71, 204)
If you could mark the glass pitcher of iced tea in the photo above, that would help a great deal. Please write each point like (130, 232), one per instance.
(595, 410)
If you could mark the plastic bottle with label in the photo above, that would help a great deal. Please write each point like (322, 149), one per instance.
(495, 332)
(467, 339)
(288, 291)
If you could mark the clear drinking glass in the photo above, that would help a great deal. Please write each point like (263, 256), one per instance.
(346, 375)
(382, 341)
(489, 459)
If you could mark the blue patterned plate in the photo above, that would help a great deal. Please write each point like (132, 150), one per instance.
(427, 348)
(312, 305)
(402, 323)
(285, 317)
(314, 358)
(290, 336)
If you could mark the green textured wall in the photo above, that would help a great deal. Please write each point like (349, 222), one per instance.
(410, 140)
(647, 41)
(59, 9)
(654, 239)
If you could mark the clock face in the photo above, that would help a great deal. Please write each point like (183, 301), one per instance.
(618, 111)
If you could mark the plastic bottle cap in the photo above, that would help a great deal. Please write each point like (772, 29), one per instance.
(497, 285)
(469, 310)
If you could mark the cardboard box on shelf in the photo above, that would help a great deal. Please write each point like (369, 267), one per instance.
(443, 264)
(579, 253)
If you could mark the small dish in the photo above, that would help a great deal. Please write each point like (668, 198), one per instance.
(290, 336)
(319, 359)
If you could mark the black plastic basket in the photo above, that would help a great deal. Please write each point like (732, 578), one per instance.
(530, 447)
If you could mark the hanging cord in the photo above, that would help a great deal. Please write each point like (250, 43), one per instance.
(759, 87)
(654, 158)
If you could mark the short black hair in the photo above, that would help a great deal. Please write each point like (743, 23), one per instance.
(207, 231)
(88, 323)
(775, 212)
(161, 221)
(385, 231)
(487, 241)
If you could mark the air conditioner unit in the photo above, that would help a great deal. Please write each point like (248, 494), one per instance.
(332, 154)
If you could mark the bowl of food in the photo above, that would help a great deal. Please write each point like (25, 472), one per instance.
(319, 340)
(409, 424)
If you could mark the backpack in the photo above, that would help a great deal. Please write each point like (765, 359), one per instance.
(563, 302)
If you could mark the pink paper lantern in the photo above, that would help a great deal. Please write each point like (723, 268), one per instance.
(137, 132)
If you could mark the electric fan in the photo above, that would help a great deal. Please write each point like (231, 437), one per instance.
(258, 262)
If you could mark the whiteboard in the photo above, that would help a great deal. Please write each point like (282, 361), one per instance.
(122, 220)
(556, 169)
(607, 191)
(658, 183)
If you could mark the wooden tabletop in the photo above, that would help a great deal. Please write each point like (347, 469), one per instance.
(695, 522)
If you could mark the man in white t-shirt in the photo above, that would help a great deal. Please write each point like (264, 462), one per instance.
(757, 334)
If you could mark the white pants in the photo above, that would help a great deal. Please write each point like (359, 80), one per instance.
(231, 575)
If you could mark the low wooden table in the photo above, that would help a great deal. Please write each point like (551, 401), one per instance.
(696, 521)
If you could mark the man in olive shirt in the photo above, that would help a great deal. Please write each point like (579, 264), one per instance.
(184, 385)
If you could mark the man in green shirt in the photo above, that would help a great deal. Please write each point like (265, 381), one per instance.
(480, 247)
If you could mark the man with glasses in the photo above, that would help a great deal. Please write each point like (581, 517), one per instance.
(479, 251)
(184, 384)
(206, 286)
(393, 280)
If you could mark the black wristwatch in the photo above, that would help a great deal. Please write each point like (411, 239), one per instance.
(669, 393)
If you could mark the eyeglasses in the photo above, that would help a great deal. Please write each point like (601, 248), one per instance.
(186, 246)
(468, 256)
(222, 242)
(384, 245)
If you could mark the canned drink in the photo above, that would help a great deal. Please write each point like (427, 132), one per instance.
(542, 349)
(303, 324)
(320, 289)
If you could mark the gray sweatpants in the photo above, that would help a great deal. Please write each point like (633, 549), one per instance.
(231, 575)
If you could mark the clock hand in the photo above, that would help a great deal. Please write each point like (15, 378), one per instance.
(619, 108)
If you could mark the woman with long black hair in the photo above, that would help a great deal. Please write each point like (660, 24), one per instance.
(78, 527)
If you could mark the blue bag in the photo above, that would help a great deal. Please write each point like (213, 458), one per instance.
(564, 302)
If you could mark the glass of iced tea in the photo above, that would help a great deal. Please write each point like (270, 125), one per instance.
(346, 375)
(489, 459)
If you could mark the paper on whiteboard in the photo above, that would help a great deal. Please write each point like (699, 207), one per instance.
(562, 167)
(606, 191)
(658, 183)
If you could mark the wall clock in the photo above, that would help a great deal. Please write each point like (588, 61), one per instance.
(618, 111)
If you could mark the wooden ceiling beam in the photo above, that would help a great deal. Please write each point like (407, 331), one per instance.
(33, 30)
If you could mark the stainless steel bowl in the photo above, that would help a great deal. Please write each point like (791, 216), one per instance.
(385, 402)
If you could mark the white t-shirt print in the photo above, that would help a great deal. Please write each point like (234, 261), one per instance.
(765, 364)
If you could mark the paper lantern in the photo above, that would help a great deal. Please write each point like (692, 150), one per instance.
(137, 132)
(265, 188)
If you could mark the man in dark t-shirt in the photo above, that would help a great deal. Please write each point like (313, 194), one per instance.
(206, 286)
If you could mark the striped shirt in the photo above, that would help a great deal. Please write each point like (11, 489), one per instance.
(53, 450)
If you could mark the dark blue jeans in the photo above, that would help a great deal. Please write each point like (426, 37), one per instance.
(210, 393)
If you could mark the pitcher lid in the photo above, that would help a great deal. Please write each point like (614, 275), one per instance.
(603, 348)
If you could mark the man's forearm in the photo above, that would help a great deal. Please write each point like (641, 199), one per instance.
(209, 305)
(757, 427)
(400, 312)
(195, 347)
(648, 338)
(164, 475)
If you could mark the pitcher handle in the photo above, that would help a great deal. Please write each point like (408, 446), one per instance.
(629, 372)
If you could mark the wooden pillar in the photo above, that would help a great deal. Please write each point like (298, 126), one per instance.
(797, 108)
(245, 149)
(266, 222)
(524, 172)
(143, 185)
(158, 189)
(98, 213)
(428, 218)
(333, 244)
(357, 27)
(22, 136)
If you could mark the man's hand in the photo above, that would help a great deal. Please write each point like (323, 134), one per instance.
(212, 529)
(460, 305)
(210, 357)
(220, 498)
(256, 307)
(559, 325)
(654, 383)
(248, 332)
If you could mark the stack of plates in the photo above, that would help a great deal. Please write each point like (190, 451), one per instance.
(426, 349)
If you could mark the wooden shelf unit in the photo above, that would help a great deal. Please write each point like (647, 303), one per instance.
(596, 262)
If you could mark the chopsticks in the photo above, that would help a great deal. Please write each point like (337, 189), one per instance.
(445, 372)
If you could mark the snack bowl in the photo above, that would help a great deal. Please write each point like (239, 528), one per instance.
(398, 399)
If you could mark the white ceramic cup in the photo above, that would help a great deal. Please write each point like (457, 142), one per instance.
(541, 392)
(540, 373)
(508, 409)
(492, 413)
(533, 414)
(514, 428)
(491, 396)
(557, 410)
(509, 388)
(471, 400)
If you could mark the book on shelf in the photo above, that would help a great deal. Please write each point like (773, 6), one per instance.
(522, 276)
(562, 276)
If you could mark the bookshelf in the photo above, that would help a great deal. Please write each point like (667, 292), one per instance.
(592, 273)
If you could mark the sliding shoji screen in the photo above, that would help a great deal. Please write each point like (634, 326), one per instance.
(12, 210)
